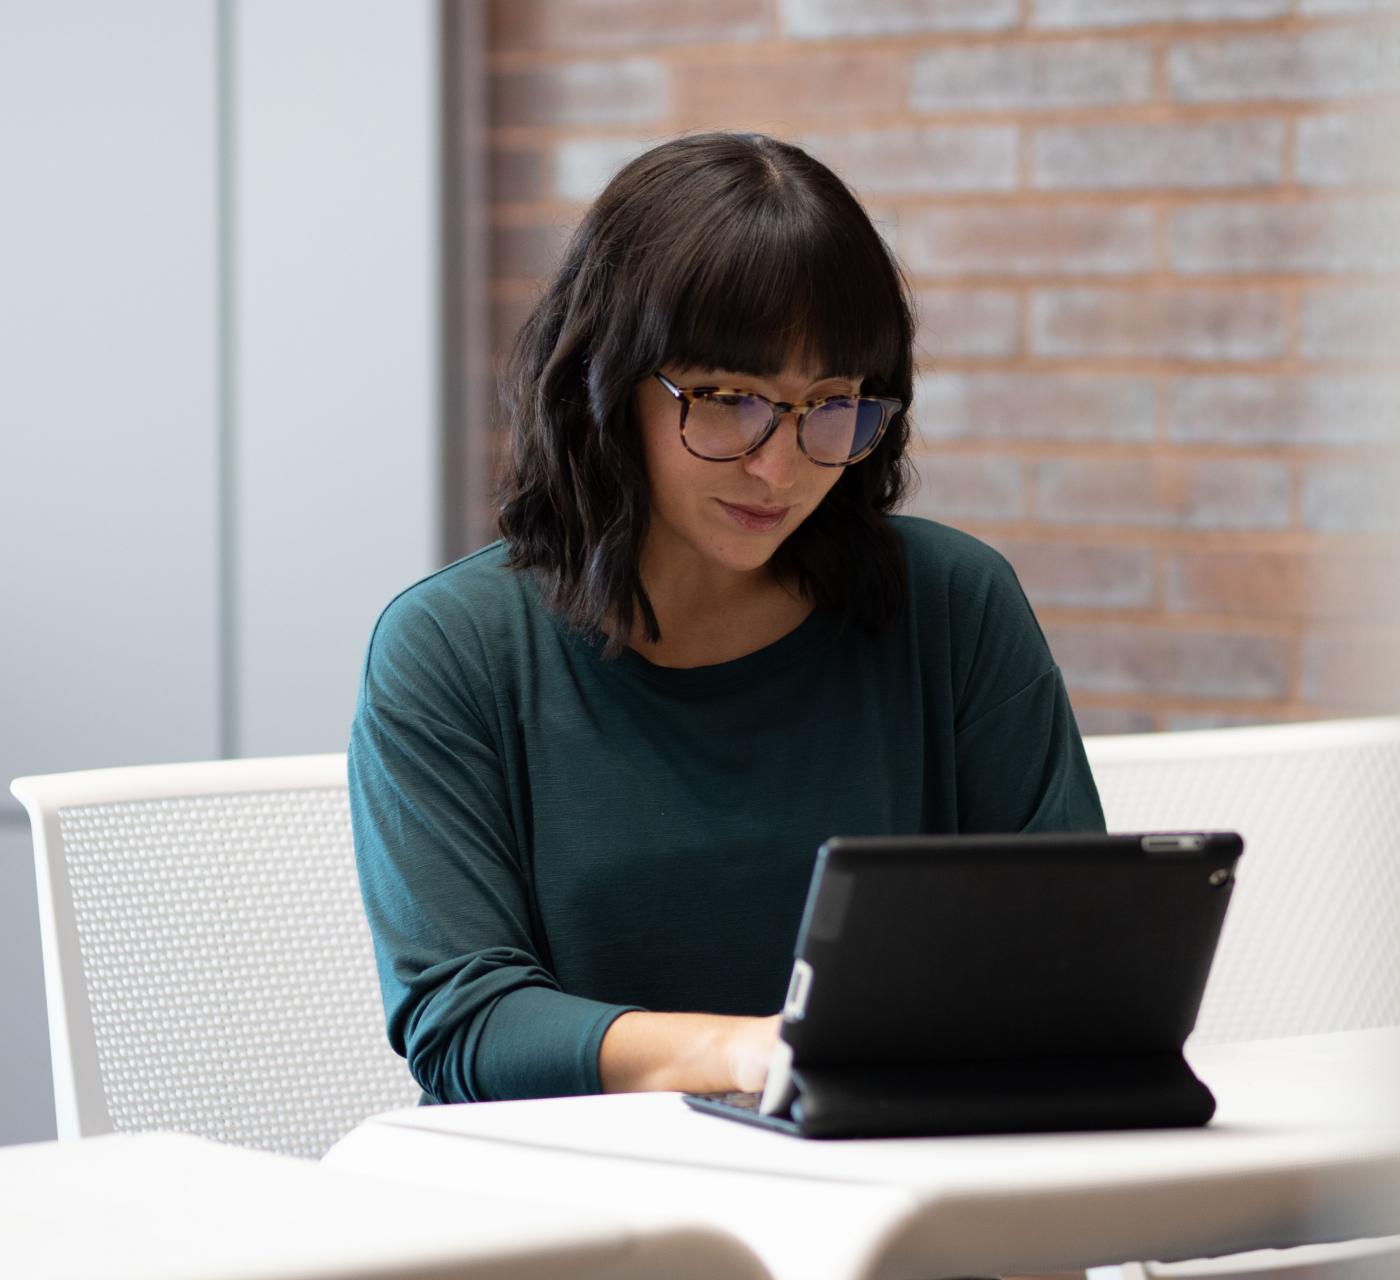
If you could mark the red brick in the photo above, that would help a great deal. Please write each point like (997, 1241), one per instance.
(1229, 493)
(616, 91)
(885, 219)
(1191, 720)
(967, 322)
(1356, 669)
(777, 92)
(526, 252)
(1219, 153)
(1347, 6)
(955, 487)
(507, 315)
(518, 174)
(1003, 77)
(1076, 575)
(1327, 62)
(1183, 324)
(1027, 240)
(1354, 149)
(584, 166)
(1350, 324)
(1117, 13)
(1351, 497)
(1102, 720)
(1284, 584)
(590, 24)
(1121, 659)
(929, 160)
(823, 19)
(1344, 409)
(1026, 406)
(1332, 7)
(1317, 235)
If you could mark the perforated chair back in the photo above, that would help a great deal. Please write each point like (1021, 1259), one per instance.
(1312, 938)
(207, 961)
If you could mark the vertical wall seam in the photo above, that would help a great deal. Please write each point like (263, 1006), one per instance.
(227, 491)
(453, 534)
(466, 376)
(476, 196)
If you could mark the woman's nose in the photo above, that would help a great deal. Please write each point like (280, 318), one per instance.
(778, 459)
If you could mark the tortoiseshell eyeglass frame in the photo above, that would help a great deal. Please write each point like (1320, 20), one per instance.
(687, 396)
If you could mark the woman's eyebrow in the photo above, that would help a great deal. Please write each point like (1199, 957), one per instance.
(845, 384)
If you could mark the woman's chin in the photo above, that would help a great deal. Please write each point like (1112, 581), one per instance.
(747, 556)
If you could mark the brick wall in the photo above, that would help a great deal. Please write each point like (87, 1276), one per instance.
(1156, 247)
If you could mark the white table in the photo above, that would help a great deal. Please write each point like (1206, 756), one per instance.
(161, 1206)
(1305, 1148)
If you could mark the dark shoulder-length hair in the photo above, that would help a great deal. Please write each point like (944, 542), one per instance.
(716, 251)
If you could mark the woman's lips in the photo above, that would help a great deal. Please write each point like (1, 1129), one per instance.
(754, 519)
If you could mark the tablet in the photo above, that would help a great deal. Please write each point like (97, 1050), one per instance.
(967, 984)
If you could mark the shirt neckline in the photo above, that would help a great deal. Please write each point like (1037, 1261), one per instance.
(751, 668)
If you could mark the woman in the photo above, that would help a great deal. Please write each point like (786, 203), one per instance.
(591, 764)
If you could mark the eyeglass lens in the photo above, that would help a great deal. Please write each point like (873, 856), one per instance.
(725, 426)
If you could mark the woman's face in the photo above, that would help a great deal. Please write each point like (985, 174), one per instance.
(733, 514)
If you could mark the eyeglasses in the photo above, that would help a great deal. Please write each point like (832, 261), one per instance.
(720, 424)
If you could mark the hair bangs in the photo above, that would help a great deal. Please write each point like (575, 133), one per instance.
(764, 290)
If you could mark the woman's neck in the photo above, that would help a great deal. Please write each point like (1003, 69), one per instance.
(710, 617)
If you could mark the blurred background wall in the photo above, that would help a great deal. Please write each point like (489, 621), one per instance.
(1154, 244)
(257, 258)
(219, 426)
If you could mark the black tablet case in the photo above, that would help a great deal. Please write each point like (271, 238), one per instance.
(998, 984)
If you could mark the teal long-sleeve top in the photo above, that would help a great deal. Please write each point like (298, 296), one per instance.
(547, 839)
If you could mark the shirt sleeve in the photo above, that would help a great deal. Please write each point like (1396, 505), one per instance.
(1020, 759)
(469, 1001)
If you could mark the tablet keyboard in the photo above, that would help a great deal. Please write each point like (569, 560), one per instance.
(742, 1107)
(744, 1101)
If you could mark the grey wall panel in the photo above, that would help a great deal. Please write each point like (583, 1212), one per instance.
(109, 654)
(335, 349)
(218, 240)
(26, 1089)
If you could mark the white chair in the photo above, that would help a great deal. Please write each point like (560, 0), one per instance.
(207, 961)
(1312, 939)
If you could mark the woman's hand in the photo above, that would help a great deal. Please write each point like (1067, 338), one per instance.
(750, 1048)
(690, 1052)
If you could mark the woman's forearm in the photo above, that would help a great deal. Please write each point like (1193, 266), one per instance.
(691, 1052)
